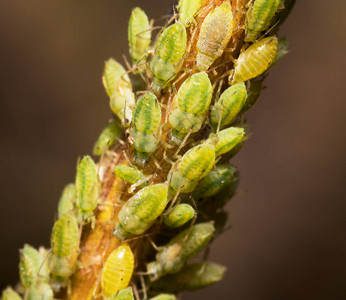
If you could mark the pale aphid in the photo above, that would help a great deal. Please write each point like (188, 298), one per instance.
(141, 210)
(180, 215)
(10, 294)
(139, 34)
(187, 10)
(215, 181)
(125, 294)
(146, 122)
(118, 87)
(87, 187)
(164, 297)
(62, 267)
(67, 200)
(107, 138)
(65, 236)
(41, 291)
(191, 277)
(190, 106)
(188, 243)
(258, 17)
(117, 271)
(216, 31)
(255, 60)
(129, 174)
(229, 105)
(167, 60)
(225, 140)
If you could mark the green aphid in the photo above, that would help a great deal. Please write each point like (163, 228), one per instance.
(129, 174)
(255, 60)
(187, 10)
(215, 33)
(229, 105)
(87, 187)
(31, 267)
(282, 50)
(192, 277)
(190, 106)
(125, 294)
(168, 60)
(146, 122)
(215, 181)
(164, 297)
(67, 200)
(62, 267)
(65, 236)
(258, 17)
(10, 294)
(254, 88)
(139, 34)
(188, 243)
(225, 140)
(42, 291)
(107, 138)
(177, 181)
(141, 210)
(118, 87)
(180, 215)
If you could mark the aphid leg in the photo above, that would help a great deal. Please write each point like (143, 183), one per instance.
(182, 144)
(135, 291)
(144, 288)
(174, 200)
(44, 261)
(126, 61)
(152, 243)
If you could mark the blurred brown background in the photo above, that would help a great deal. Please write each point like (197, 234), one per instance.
(288, 239)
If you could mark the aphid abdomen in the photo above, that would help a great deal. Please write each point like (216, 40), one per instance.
(141, 210)
(259, 16)
(117, 271)
(128, 174)
(255, 60)
(62, 267)
(180, 215)
(42, 291)
(67, 200)
(229, 105)
(107, 138)
(216, 31)
(29, 263)
(139, 34)
(187, 9)
(10, 294)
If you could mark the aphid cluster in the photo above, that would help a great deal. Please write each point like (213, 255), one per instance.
(176, 125)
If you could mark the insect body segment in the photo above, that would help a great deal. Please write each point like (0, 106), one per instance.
(129, 174)
(67, 200)
(192, 103)
(259, 17)
(10, 294)
(141, 210)
(118, 87)
(107, 138)
(188, 243)
(229, 105)
(42, 291)
(168, 57)
(255, 60)
(216, 31)
(146, 122)
(187, 10)
(117, 271)
(180, 215)
(139, 34)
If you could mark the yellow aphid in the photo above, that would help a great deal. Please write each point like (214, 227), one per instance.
(255, 60)
(117, 271)
(216, 31)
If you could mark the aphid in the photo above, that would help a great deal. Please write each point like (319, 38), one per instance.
(180, 215)
(167, 60)
(191, 106)
(255, 86)
(194, 165)
(129, 174)
(107, 138)
(141, 210)
(191, 277)
(10, 294)
(125, 294)
(187, 10)
(30, 263)
(62, 267)
(164, 297)
(188, 243)
(146, 122)
(282, 50)
(87, 187)
(118, 87)
(215, 181)
(67, 200)
(117, 271)
(216, 31)
(225, 140)
(65, 236)
(229, 105)
(42, 291)
(258, 17)
(139, 34)
(255, 60)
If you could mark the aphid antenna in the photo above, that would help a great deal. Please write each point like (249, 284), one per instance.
(174, 200)
(144, 288)
(135, 291)
(126, 61)
(26, 294)
(183, 143)
(43, 262)
(268, 31)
